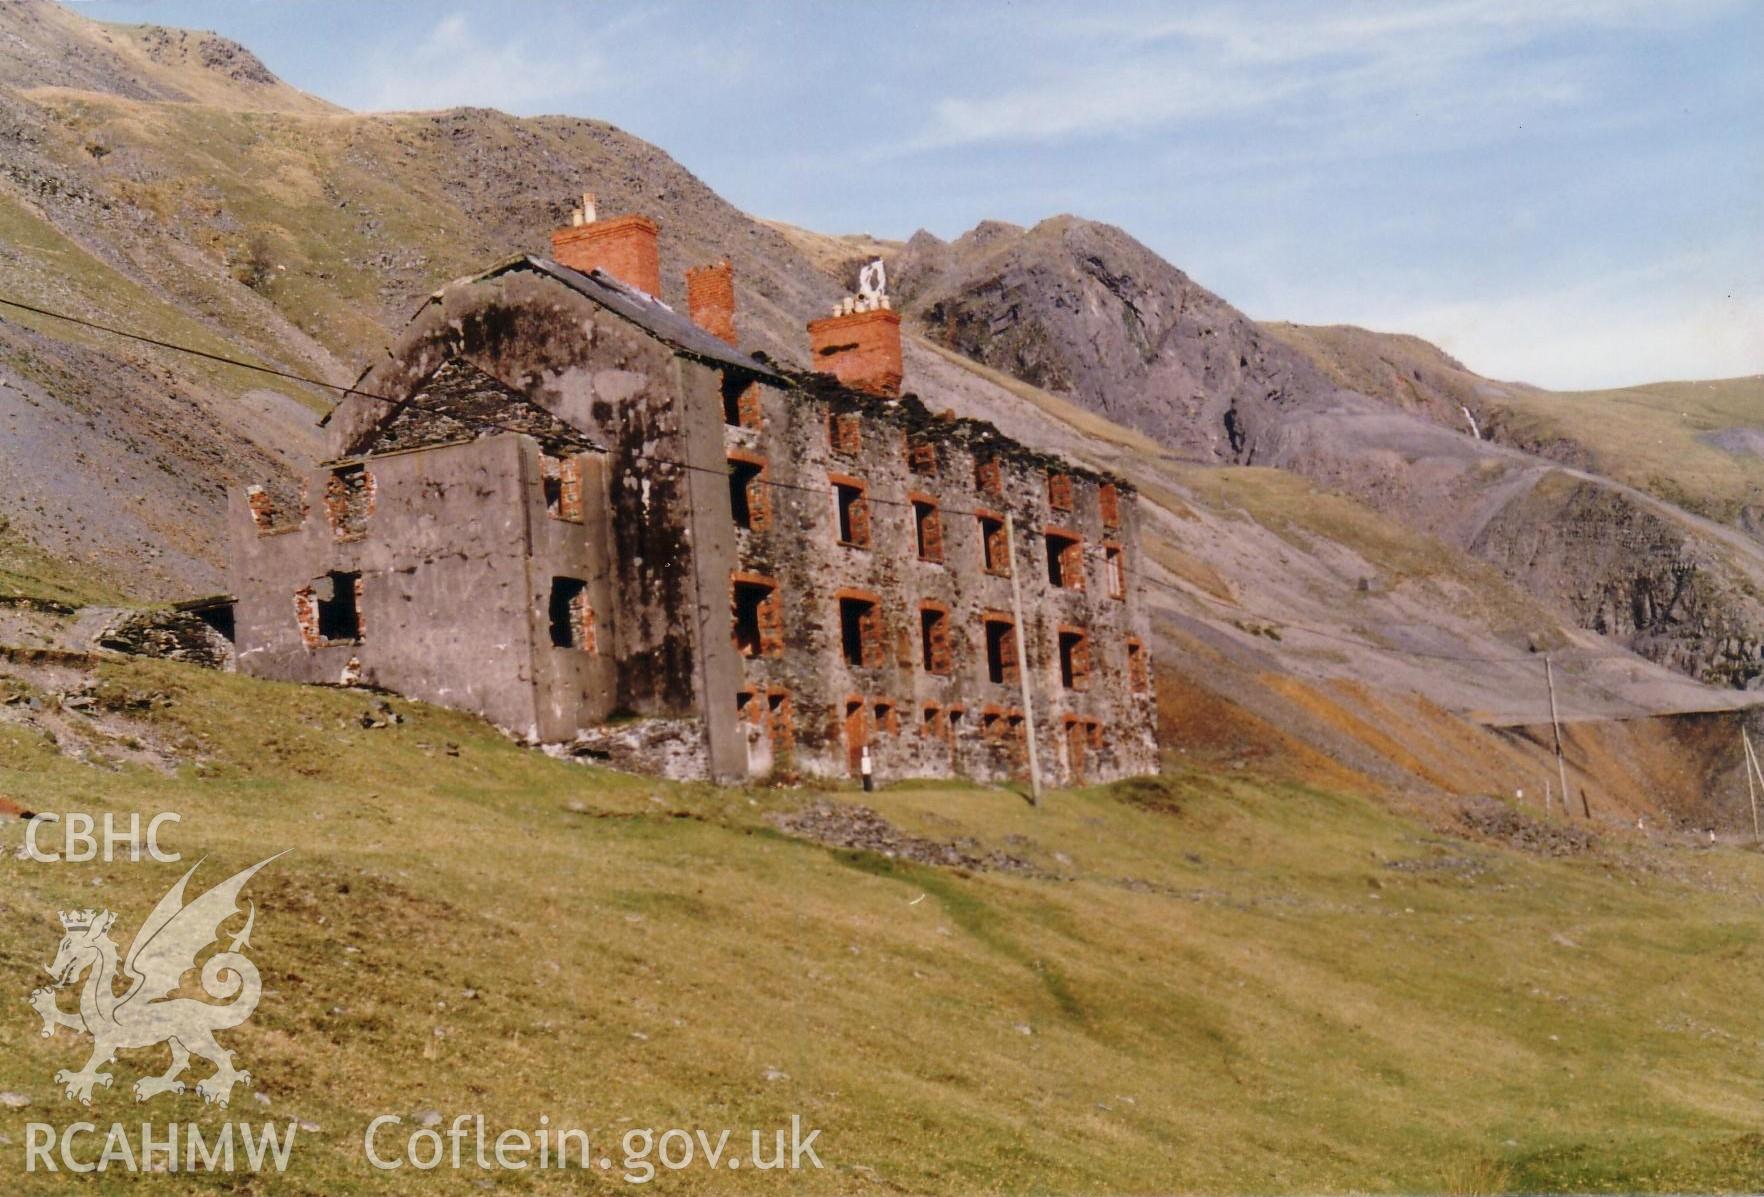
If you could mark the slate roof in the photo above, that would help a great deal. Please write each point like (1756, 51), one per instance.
(647, 312)
(459, 402)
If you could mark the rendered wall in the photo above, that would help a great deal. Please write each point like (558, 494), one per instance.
(455, 556)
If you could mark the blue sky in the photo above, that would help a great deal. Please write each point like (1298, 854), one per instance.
(1567, 193)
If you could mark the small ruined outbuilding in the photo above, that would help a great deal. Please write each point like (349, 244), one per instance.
(566, 507)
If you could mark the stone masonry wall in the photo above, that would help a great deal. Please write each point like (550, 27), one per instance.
(738, 627)
(807, 440)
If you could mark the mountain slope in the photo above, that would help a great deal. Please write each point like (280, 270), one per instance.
(46, 45)
(297, 239)
(1698, 445)
(1084, 309)
(172, 198)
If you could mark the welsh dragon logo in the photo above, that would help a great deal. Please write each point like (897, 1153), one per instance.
(148, 1014)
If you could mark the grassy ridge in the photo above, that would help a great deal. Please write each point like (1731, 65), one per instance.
(1234, 985)
(1664, 438)
(1658, 438)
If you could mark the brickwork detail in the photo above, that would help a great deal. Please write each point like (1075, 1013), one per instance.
(866, 607)
(753, 503)
(988, 477)
(1138, 666)
(781, 726)
(851, 498)
(758, 615)
(927, 527)
(845, 433)
(710, 299)
(861, 350)
(623, 247)
(1108, 505)
(1074, 649)
(1059, 491)
(938, 656)
(582, 622)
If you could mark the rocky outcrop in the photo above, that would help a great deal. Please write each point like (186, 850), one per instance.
(1085, 310)
(1627, 566)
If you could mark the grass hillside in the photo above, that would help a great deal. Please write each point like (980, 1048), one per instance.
(162, 182)
(1699, 445)
(1213, 981)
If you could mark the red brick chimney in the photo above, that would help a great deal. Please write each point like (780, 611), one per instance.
(623, 246)
(710, 299)
(860, 349)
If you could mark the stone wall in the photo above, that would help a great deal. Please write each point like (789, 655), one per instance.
(449, 578)
(734, 624)
(809, 441)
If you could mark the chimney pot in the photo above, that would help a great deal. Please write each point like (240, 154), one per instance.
(621, 246)
(710, 299)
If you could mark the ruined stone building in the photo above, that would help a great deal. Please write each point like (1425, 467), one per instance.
(566, 507)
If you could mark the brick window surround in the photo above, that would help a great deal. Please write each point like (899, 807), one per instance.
(995, 549)
(1065, 558)
(1074, 657)
(1108, 504)
(780, 721)
(927, 526)
(1138, 666)
(750, 494)
(349, 500)
(999, 634)
(741, 403)
(845, 433)
(862, 635)
(571, 618)
(757, 615)
(989, 477)
(561, 479)
(935, 655)
(1115, 565)
(851, 510)
(328, 610)
(772, 712)
(1059, 491)
(887, 716)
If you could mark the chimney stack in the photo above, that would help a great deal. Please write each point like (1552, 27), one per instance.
(710, 299)
(859, 348)
(623, 246)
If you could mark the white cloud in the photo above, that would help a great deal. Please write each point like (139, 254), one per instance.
(455, 64)
(1346, 66)
(1668, 321)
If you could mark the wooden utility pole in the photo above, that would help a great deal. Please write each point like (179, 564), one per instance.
(1017, 635)
(1556, 730)
(1751, 790)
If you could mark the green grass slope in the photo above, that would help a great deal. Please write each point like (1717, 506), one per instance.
(1671, 439)
(1213, 982)
(1699, 445)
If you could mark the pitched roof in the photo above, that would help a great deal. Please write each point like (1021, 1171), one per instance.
(459, 402)
(647, 312)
